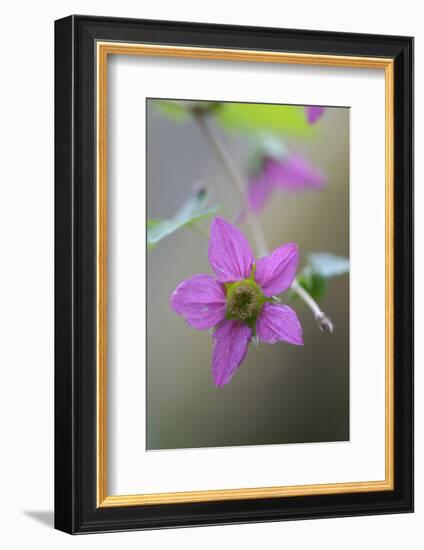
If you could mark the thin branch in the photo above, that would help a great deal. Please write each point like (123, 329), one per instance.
(227, 164)
(321, 318)
(235, 179)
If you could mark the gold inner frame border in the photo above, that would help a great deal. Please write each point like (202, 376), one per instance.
(103, 50)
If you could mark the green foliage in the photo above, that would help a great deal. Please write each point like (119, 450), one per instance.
(192, 211)
(248, 117)
(175, 110)
(181, 111)
(242, 117)
(314, 284)
(314, 278)
(328, 265)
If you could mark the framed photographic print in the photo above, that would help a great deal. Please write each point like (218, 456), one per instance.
(234, 274)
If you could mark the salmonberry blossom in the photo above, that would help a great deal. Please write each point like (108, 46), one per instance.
(289, 173)
(314, 113)
(238, 302)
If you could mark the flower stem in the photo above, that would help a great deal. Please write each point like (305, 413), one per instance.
(321, 318)
(234, 177)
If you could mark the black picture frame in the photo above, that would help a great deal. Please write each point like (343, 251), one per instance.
(76, 510)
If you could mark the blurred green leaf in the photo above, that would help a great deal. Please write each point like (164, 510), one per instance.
(175, 110)
(182, 110)
(248, 117)
(314, 277)
(328, 265)
(192, 211)
(315, 284)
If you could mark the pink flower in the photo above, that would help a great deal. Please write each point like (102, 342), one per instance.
(292, 173)
(238, 301)
(314, 113)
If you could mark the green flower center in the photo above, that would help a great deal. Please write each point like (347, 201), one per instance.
(244, 300)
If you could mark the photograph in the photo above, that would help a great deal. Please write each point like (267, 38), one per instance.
(247, 292)
(233, 274)
(211, 303)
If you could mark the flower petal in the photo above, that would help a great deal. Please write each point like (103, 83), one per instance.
(231, 341)
(276, 272)
(229, 253)
(258, 192)
(278, 322)
(313, 113)
(200, 300)
(293, 174)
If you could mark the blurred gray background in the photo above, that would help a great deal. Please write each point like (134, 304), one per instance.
(281, 393)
